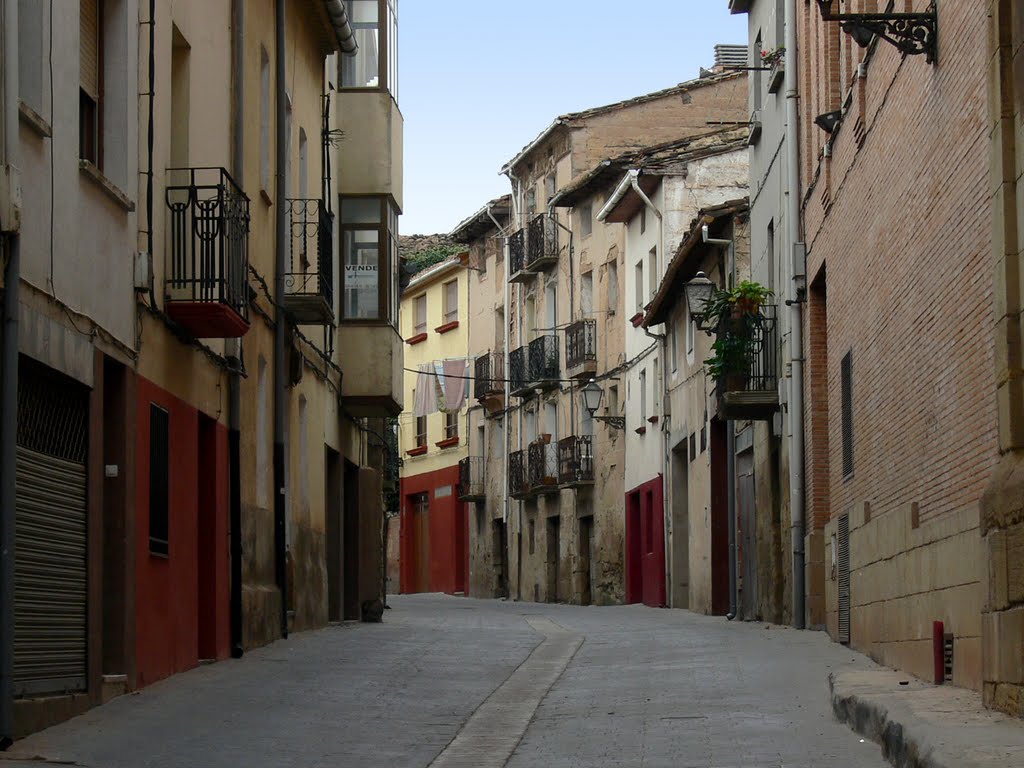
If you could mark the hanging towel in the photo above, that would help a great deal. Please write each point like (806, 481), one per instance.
(426, 395)
(440, 386)
(456, 374)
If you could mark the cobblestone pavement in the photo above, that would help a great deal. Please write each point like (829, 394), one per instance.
(624, 686)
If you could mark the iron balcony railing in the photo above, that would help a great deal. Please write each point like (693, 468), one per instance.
(576, 460)
(517, 252)
(543, 467)
(209, 238)
(581, 343)
(471, 479)
(310, 273)
(519, 371)
(517, 486)
(489, 378)
(544, 367)
(542, 246)
(748, 385)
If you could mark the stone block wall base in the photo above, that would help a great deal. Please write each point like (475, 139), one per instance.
(1005, 697)
(1002, 504)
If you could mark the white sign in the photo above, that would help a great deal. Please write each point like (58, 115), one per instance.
(360, 275)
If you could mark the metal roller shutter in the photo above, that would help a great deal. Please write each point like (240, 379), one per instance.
(843, 567)
(50, 576)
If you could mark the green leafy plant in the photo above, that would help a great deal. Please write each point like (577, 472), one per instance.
(736, 314)
(772, 55)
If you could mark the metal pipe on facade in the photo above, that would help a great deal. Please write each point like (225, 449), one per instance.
(280, 382)
(796, 352)
(235, 347)
(8, 380)
(517, 209)
(342, 27)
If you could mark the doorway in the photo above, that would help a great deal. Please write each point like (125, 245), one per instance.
(350, 542)
(719, 520)
(206, 539)
(746, 535)
(499, 556)
(332, 498)
(115, 501)
(680, 566)
(554, 547)
(585, 559)
(634, 549)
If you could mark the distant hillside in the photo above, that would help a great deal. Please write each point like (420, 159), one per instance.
(422, 251)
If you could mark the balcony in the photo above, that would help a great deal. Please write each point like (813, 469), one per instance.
(534, 367)
(581, 349)
(372, 386)
(542, 247)
(576, 461)
(207, 289)
(517, 487)
(749, 385)
(309, 279)
(471, 479)
(517, 272)
(489, 381)
(543, 467)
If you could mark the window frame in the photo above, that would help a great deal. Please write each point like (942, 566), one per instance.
(387, 265)
(387, 57)
(421, 434)
(418, 327)
(451, 425)
(90, 132)
(450, 313)
(586, 220)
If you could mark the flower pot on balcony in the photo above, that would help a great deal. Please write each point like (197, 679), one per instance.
(544, 438)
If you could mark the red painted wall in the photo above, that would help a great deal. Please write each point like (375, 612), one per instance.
(177, 611)
(645, 544)
(448, 534)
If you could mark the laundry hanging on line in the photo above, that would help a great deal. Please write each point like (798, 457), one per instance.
(442, 385)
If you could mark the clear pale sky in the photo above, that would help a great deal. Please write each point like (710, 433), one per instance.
(479, 79)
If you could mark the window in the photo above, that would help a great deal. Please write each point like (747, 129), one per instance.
(303, 165)
(771, 256)
(533, 535)
(639, 278)
(652, 270)
(159, 479)
(643, 220)
(32, 44)
(613, 400)
(846, 374)
(421, 431)
(613, 287)
(264, 120)
(369, 238)
(656, 387)
(90, 74)
(481, 438)
(675, 347)
(531, 202)
(691, 331)
(375, 64)
(451, 425)
(643, 396)
(420, 308)
(180, 97)
(549, 187)
(587, 294)
(451, 301)
(499, 329)
(551, 419)
(586, 219)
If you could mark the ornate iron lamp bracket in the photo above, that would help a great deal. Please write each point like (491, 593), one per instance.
(912, 33)
(615, 422)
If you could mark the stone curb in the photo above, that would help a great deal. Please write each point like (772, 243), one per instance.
(900, 745)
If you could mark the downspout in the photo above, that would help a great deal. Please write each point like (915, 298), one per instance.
(9, 375)
(634, 181)
(730, 458)
(235, 346)
(796, 291)
(516, 213)
(151, 65)
(280, 381)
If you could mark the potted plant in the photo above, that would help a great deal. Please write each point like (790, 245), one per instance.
(736, 313)
(774, 59)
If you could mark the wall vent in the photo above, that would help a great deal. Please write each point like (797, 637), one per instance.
(843, 567)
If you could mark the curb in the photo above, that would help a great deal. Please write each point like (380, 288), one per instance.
(870, 719)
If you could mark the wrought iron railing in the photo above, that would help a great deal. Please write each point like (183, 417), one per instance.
(544, 359)
(543, 466)
(209, 238)
(489, 375)
(752, 342)
(311, 250)
(581, 343)
(471, 478)
(576, 460)
(542, 240)
(517, 252)
(519, 369)
(517, 486)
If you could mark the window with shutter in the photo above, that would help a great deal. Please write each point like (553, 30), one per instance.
(421, 315)
(90, 63)
(451, 301)
(847, 397)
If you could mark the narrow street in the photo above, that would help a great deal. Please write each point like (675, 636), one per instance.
(449, 681)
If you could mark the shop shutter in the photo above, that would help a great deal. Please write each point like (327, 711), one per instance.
(89, 50)
(50, 575)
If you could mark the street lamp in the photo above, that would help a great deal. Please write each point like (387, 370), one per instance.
(911, 33)
(699, 291)
(592, 395)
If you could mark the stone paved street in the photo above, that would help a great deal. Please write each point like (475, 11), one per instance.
(632, 686)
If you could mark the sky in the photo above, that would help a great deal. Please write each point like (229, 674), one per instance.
(480, 79)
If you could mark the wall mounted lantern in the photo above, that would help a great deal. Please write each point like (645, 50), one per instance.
(699, 291)
(912, 33)
(828, 121)
(592, 395)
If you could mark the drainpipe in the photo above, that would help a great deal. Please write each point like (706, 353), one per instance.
(516, 213)
(730, 459)
(9, 373)
(795, 349)
(235, 345)
(280, 382)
